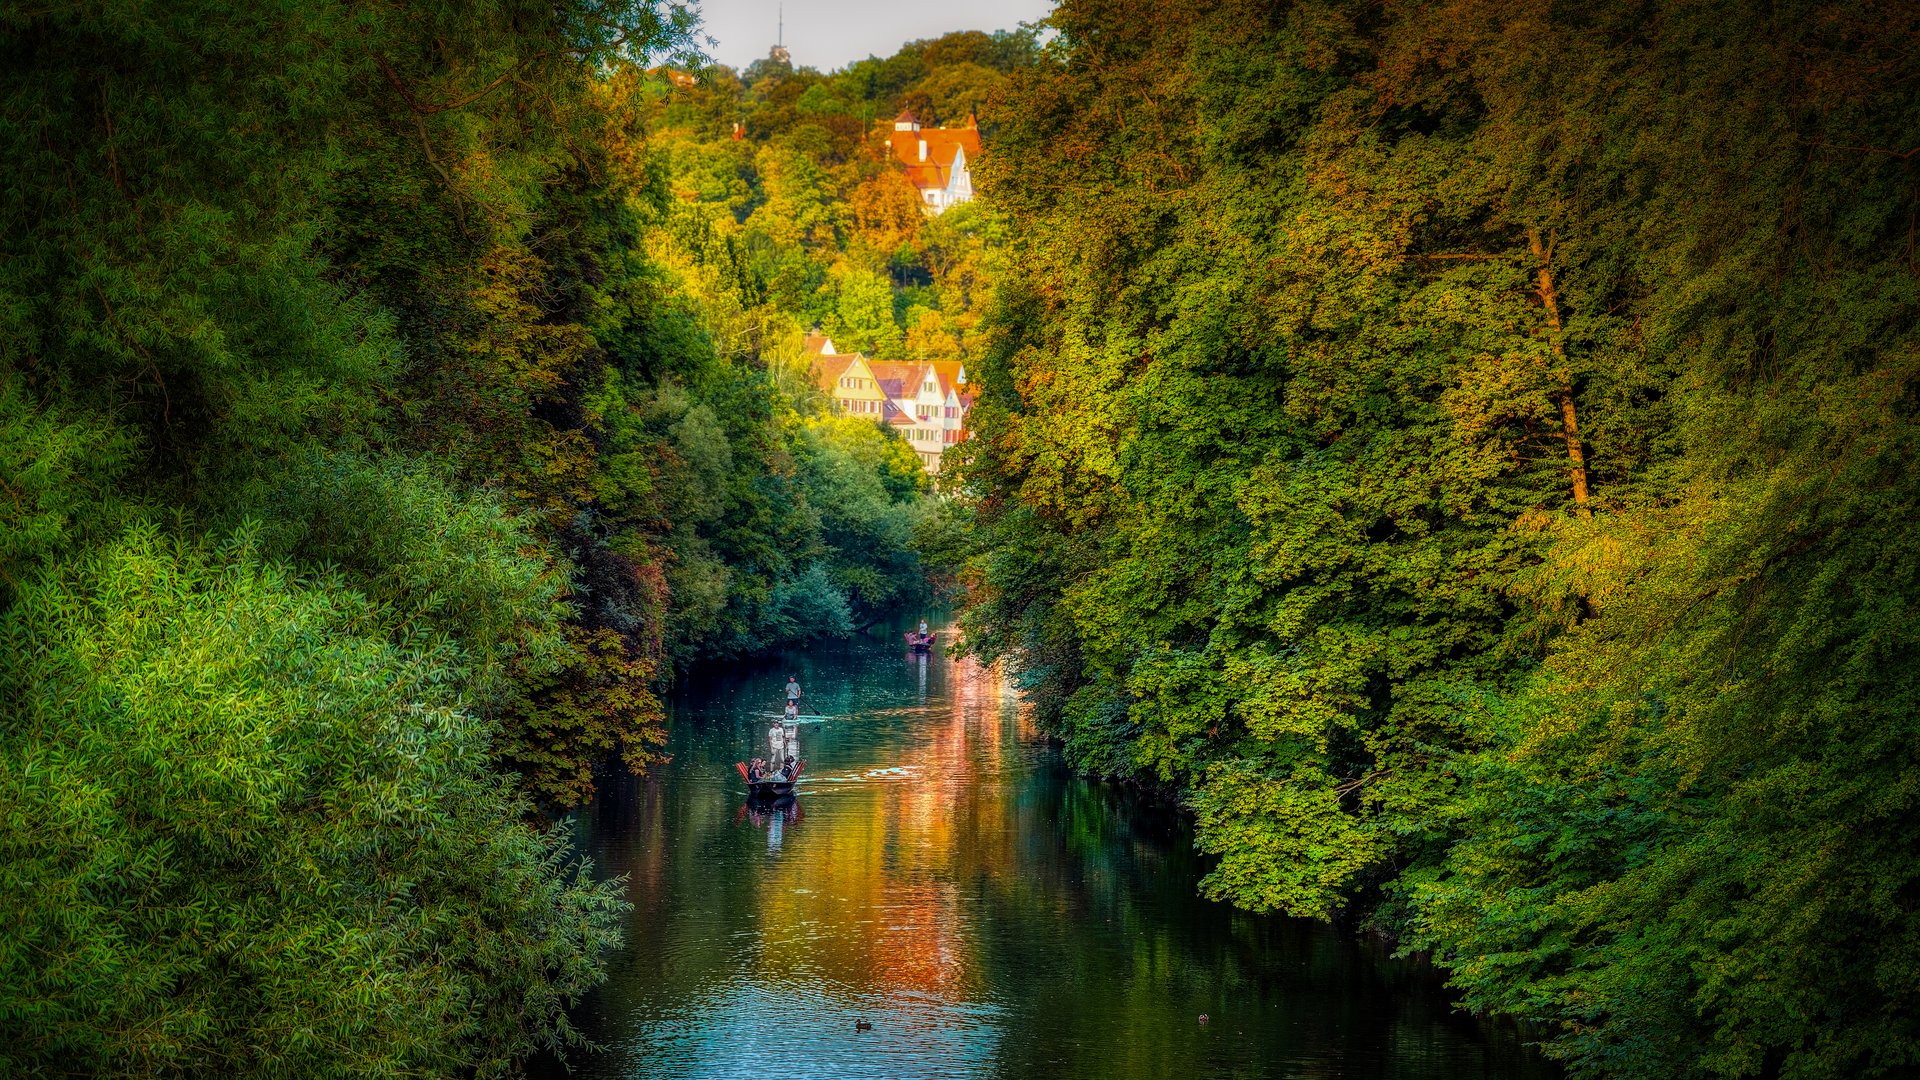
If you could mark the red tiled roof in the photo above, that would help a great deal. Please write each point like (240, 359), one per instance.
(948, 372)
(826, 370)
(943, 144)
(902, 371)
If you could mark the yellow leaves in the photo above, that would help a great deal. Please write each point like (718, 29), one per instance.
(596, 700)
(517, 358)
(515, 336)
(931, 337)
(1588, 565)
(1500, 400)
(621, 137)
(556, 474)
(886, 212)
(1065, 441)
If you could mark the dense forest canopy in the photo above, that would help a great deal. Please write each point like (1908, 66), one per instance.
(828, 230)
(1467, 451)
(391, 400)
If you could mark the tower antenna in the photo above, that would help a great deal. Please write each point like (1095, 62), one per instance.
(780, 30)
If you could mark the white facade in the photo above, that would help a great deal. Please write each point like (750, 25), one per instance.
(928, 409)
(959, 183)
(938, 415)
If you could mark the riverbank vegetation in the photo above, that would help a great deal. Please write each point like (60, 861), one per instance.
(1467, 451)
(380, 426)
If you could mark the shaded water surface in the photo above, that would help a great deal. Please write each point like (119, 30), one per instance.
(943, 877)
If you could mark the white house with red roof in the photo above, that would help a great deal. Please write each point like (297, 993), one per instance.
(926, 401)
(935, 159)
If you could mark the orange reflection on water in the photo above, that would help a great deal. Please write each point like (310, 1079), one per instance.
(878, 895)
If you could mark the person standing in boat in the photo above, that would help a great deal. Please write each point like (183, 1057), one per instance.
(777, 743)
(923, 628)
(789, 754)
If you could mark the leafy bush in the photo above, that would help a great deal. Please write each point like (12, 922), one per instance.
(804, 608)
(440, 563)
(55, 475)
(248, 834)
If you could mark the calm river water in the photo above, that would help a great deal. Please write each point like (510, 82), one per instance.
(944, 878)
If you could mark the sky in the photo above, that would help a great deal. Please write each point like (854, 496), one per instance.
(828, 34)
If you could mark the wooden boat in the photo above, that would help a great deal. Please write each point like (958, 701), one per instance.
(774, 785)
(919, 642)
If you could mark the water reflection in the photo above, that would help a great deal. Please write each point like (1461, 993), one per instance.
(773, 815)
(940, 876)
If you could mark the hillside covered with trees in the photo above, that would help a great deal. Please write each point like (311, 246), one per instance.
(780, 167)
(387, 412)
(1463, 452)
(1467, 452)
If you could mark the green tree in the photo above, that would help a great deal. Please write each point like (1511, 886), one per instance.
(250, 832)
(1461, 451)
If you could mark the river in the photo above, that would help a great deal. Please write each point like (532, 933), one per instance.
(943, 877)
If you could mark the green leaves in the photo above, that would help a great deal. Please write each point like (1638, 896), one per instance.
(56, 480)
(1283, 841)
(1323, 316)
(342, 283)
(244, 828)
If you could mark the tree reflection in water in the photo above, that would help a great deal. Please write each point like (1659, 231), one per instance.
(942, 876)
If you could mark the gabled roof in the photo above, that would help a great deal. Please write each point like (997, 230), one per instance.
(897, 373)
(819, 343)
(948, 372)
(826, 370)
(944, 145)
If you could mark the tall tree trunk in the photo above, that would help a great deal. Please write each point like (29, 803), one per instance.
(1569, 417)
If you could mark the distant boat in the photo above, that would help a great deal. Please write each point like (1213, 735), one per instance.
(775, 784)
(919, 642)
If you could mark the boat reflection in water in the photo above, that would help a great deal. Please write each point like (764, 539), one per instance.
(954, 885)
(775, 815)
